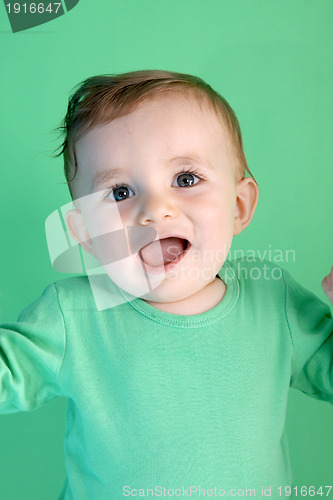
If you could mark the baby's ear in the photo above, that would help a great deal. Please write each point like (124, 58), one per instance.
(76, 226)
(247, 192)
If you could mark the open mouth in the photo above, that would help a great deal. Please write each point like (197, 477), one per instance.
(164, 251)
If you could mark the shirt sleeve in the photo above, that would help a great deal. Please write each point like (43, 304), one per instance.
(31, 353)
(310, 324)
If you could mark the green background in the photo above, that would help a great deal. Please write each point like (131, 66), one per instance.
(272, 60)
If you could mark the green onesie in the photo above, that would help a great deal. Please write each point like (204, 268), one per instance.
(167, 402)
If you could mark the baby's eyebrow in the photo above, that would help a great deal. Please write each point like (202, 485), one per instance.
(103, 177)
(192, 157)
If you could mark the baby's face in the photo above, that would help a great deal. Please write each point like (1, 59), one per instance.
(169, 166)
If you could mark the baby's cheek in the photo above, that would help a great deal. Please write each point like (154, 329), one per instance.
(217, 208)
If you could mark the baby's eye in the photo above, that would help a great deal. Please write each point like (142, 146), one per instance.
(186, 179)
(119, 193)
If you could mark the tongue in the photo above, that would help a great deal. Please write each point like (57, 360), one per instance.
(170, 248)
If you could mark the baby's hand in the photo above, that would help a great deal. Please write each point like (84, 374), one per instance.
(327, 285)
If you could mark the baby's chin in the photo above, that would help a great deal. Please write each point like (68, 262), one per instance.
(131, 278)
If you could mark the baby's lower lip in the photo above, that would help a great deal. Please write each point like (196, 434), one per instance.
(165, 267)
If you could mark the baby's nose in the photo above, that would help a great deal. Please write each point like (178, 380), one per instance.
(154, 208)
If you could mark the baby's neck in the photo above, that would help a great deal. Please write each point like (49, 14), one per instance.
(198, 303)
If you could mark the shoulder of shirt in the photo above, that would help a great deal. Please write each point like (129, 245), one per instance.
(73, 288)
(73, 295)
(80, 293)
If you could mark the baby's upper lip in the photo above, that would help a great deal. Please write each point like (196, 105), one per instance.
(139, 237)
(163, 236)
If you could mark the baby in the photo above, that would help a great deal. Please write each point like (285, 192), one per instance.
(181, 388)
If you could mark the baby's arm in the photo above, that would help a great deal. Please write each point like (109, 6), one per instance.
(327, 285)
(310, 325)
(31, 353)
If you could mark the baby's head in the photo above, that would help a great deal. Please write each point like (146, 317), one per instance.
(160, 152)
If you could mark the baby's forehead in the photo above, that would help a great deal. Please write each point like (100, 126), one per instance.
(171, 121)
(161, 129)
(192, 99)
(169, 110)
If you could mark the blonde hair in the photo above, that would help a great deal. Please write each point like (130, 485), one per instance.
(101, 99)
